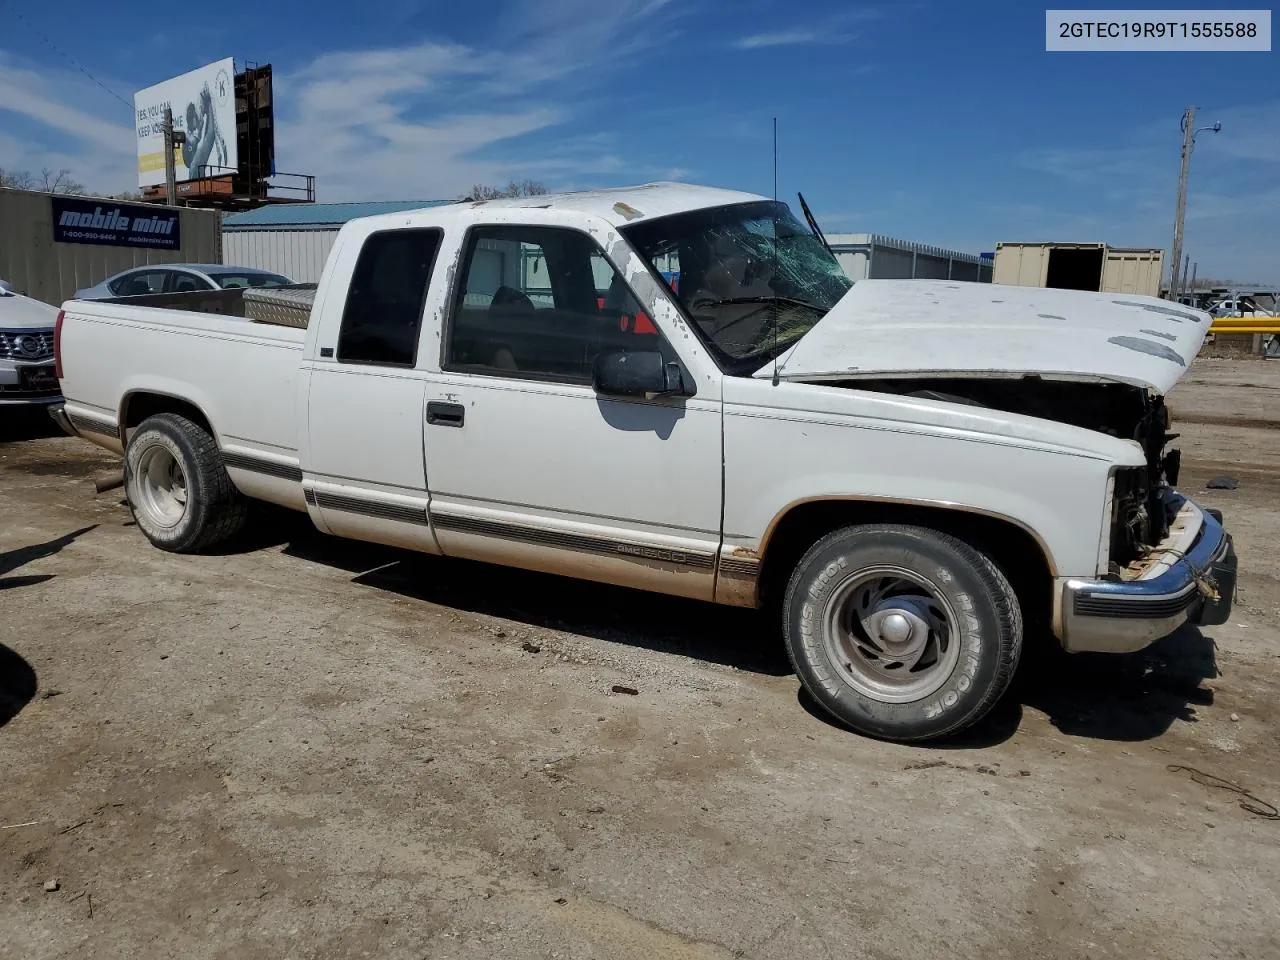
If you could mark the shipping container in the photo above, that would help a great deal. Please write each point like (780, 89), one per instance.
(1133, 271)
(1080, 266)
(52, 245)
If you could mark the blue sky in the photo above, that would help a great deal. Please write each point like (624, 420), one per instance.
(941, 122)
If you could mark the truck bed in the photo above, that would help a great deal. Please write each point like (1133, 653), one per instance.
(243, 376)
(288, 306)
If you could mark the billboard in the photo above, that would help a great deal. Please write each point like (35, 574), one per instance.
(204, 108)
(111, 224)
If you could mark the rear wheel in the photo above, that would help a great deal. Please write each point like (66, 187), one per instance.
(902, 632)
(178, 488)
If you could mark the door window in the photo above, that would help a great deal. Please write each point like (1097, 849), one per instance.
(140, 282)
(182, 282)
(383, 313)
(541, 303)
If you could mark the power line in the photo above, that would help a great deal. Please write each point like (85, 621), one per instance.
(62, 53)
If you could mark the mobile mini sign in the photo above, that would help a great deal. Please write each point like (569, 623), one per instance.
(115, 224)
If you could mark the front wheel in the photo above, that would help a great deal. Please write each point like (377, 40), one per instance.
(902, 632)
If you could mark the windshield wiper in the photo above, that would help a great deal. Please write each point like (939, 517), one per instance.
(728, 301)
(813, 224)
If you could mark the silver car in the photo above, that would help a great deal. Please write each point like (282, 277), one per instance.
(180, 278)
(27, 375)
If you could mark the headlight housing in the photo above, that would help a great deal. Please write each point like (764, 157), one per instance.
(1132, 530)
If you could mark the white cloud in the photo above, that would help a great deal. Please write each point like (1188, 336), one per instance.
(92, 131)
(833, 30)
(1092, 164)
(1124, 194)
(426, 118)
(430, 119)
(782, 38)
(1248, 132)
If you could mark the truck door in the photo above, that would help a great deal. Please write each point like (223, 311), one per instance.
(528, 465)
(363, 469)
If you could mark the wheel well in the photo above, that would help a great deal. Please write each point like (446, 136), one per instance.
(139, 406)
(1010, 547)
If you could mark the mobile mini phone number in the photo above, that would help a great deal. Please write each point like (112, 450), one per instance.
(1138, 30)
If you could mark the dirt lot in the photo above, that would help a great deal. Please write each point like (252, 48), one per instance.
(312, 748)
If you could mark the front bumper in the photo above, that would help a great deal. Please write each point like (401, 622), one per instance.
(13, 392)
(1192, 577)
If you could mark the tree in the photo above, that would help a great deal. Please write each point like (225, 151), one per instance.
(59, 181)
(522, 188)
(17, 179)
(49, 181)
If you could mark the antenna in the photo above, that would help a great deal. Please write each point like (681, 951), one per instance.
(775, 249)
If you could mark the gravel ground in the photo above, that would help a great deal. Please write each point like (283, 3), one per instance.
(313, 748)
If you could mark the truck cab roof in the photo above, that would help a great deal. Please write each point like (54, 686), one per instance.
(618, 206)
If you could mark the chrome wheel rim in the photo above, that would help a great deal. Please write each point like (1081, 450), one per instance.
(891, 634)
(161, 487)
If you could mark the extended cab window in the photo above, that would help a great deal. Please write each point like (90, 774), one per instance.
(542, 303)
(383, 314)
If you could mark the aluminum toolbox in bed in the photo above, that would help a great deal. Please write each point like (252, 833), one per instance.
(282, 306)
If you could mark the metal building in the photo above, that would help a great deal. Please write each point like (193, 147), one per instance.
(870, 256)
(295, 239)
(52, 245)
(1080, 266)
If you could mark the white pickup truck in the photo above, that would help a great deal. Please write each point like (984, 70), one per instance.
(675, 388)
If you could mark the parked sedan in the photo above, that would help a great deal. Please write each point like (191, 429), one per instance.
(26, 350)
(180, 278)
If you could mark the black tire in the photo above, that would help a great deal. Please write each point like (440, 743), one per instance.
(962, 594)
(212, 510)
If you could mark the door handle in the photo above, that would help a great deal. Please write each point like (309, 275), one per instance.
(441, 414)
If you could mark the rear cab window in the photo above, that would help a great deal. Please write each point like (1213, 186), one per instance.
(382, 317)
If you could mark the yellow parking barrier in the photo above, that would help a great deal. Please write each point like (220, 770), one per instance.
(1245, 325)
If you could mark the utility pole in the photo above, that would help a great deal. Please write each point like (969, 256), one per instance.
(1186, 272)
(1188, 139)
(172, 139)
(1189, 132)
(1195, 267)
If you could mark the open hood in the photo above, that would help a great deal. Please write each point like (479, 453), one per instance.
(940, 328)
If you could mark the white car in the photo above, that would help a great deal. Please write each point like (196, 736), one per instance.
(26, 350)
(1239, 307)
(917, 476)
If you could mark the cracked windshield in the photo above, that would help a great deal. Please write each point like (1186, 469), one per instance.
(753, 277)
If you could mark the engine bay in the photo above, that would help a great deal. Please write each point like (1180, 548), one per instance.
(1141, 513)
